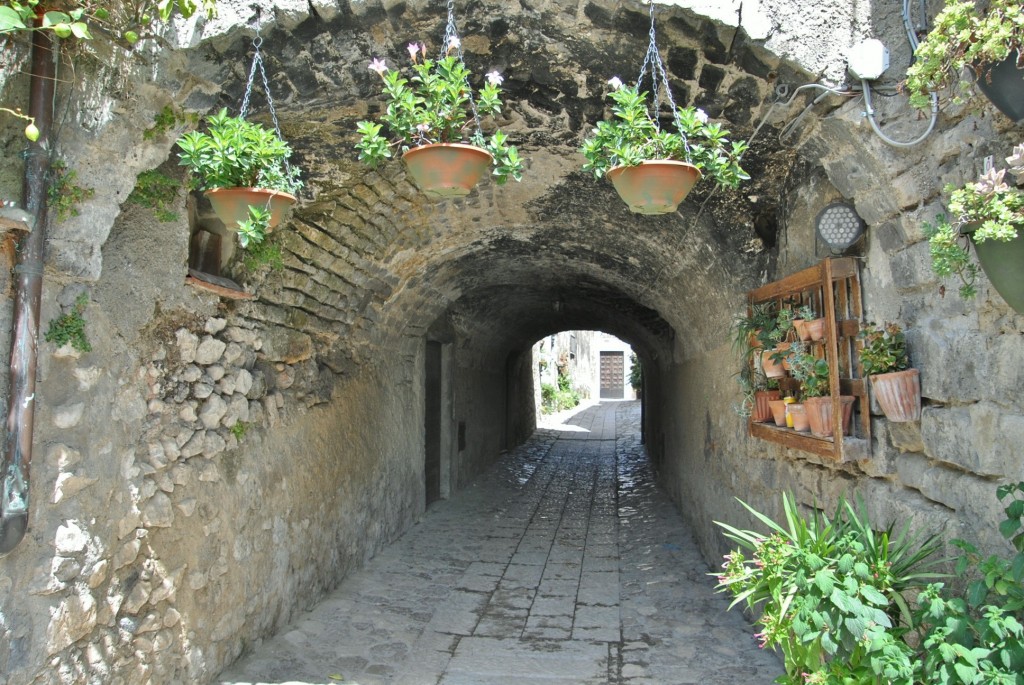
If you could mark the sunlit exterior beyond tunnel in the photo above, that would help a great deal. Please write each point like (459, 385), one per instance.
(221, 412)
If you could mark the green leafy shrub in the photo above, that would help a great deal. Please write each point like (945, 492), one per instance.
(884, 350)
(69, 327)
(235, 153)
(261, 254)
(834, 595)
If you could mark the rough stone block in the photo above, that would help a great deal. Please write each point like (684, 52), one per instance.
(998, 437)
(68, 415)
(70, 539)
(158, 511)
(946, 432)
(215, 325)
(210, 351)
(188, 345)
(905, 436)
(213, 411)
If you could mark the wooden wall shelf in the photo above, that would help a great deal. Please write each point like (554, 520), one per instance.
(833, 289)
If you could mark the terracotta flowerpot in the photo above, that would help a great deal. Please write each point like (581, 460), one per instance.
(819, 414)
(798, 413)
(771, 368)
(784, 348)
(1003, 263)
(800, 325)
(762, 409)
(778, 409)
(816, 329)
(1003, 84)
(654, 187)
(898, 394)
(231, 205)
(444, 170)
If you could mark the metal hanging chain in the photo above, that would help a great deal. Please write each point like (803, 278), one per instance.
(257, 63)
(659, 79)
(451, 37)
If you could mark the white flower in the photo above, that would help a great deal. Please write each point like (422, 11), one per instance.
(615, 82)
(494, 78)
(423, 128)
(413, 49)
(454, 43)
(378, 66)
(701, 116)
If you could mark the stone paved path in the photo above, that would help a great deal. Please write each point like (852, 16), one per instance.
(564, 565)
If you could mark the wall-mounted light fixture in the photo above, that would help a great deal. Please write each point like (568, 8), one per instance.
(839, 226)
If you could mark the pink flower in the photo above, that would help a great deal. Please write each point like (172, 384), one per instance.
(495, 79)
(615, 82)
(378, 66)
(414, 49)
(423, 128)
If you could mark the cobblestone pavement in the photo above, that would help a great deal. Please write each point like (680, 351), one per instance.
(564, 565)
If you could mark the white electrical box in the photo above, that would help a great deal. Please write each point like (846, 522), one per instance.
(868, 60)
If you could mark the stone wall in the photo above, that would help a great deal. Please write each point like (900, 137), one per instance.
(165, 539)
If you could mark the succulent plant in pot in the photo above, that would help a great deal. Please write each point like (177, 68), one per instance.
(985, 40)
(883, 356)
(990, 211)
(240, 165)
(653, 168)
(433, 120)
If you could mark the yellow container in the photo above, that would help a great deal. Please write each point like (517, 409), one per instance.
(789, 419)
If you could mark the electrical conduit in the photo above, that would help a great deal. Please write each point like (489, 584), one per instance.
(28, 286)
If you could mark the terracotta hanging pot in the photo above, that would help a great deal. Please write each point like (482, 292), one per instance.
(445, 170)
(819, 414)
(231, 205)
(654, 187)
(762, 409)
(800, 326)
(1003, 263)
(1003, 84)
(799, 417)
(778, 409)
(898, 394)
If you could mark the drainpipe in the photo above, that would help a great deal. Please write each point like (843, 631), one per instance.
(28, 287)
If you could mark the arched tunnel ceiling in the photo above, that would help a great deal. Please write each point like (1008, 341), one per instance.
(506, 253)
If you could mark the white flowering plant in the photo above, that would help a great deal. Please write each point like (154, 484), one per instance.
(436, 105)
(991, 204)
(634, 136)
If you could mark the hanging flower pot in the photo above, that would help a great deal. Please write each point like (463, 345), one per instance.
(819, 414)
(444, 170)
(231, 205)
(898, 394)
(653, 168)
(762, 408)
(654, 187)
(1003, 263)
(815, 329)
(1003, 84)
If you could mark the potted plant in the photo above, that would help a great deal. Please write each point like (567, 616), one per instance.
(990, 212)
(431, 119)
(808, 325)
(884, 360)
(653, 169)
(813, 375)
(989, 44)
(241, 166)
(775, 339)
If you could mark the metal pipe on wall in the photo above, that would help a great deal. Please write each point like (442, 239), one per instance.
(28, 287)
